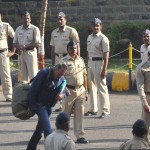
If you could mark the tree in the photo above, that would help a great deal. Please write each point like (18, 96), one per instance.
(41, 54)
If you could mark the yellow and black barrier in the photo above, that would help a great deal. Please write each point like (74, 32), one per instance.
(120, 81)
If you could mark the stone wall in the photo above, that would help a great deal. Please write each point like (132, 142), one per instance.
(79, 10)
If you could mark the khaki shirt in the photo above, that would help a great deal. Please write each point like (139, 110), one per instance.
(144, 52)
(136, 143)
(27, 36)
(5, 31)
(75, 71)
(60, 39)
(97, 45)
(143, 80)
(59, 140)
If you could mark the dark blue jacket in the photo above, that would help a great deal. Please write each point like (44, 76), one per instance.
(43, 90)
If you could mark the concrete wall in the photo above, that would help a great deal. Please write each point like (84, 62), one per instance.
(80, 10)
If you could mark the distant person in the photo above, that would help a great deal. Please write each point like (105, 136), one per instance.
(146, 46)
(143, 87)
(27, 39)
(139, 131)
(5, 31)
(98, 57)
(60, 37)
(47, 88)
(59, 139)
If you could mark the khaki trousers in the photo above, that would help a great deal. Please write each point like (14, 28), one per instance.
(146, 118)
(98, 88)
(29, 65)
(76, 102)
(5, 75)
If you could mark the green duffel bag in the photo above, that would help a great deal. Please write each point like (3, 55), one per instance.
(20, 100)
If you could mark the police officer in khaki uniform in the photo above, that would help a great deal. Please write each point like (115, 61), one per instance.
(98, 55)
(76, 77)
(60, 37)
(5, 31)
(27, 39)
(59, 139)
(143, 86)
(139, 131)
(146, 46)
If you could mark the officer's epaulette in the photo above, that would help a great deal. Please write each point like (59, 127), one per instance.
(144, 64)
(67, 136)
(64, 58)
(81, 58)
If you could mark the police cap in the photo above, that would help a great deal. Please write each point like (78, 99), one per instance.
(61, 14)
(62, 118)
(139, 127)
(96, 21)
(147, 31)
(25, 13)
(71, 45)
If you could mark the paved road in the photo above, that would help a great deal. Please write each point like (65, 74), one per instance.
(105, 134)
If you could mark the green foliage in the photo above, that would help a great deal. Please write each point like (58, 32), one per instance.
(120, 34)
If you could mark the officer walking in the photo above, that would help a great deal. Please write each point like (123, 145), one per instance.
(27, 39)
(143, 86)
(76, 77)
(59, 139)
(5, 31)
(60, 37)
(98, 56)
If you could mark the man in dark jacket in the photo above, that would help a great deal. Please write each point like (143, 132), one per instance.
(47, 88)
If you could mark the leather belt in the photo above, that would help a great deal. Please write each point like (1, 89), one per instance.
(60, 55)
(148, 93)
(95, 58)
(73, 87)
(3, 50)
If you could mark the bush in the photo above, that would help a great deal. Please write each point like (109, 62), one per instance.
(120, 35)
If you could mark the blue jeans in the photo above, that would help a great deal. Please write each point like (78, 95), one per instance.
(43, 113)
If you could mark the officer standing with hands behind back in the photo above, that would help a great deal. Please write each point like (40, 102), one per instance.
(98, 56)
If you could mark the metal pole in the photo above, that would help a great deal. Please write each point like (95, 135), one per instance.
(130, 66)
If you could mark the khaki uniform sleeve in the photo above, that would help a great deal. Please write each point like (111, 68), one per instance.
(11, 32)
(37, 36)
(52, 40)
(84, 70)
(140, 85)
(74, 35)
(122, 146)
(70, 145)
(15, 39)
(105, 45)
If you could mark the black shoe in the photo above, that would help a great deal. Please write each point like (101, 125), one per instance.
(82, 141)
(104, 116)
(59, 109)
(8, 100)
(90, 113)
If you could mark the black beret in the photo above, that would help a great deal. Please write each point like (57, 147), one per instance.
(62, 118)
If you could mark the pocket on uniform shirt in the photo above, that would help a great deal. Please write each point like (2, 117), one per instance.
(65, 40)
(3, 35)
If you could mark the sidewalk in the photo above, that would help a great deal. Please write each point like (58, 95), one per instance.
(105, 134)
